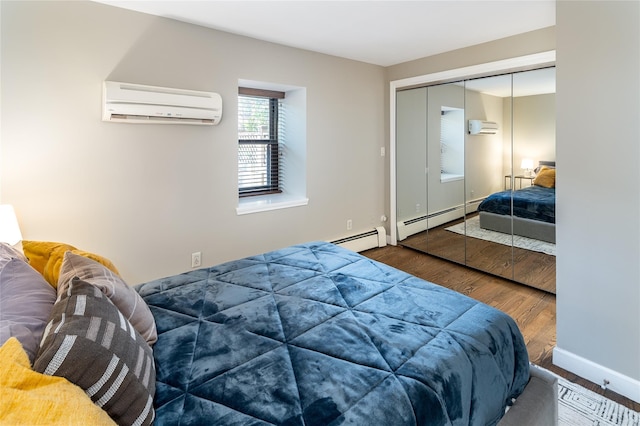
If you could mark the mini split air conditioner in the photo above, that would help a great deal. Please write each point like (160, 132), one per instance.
(479, 127)
(136, 103)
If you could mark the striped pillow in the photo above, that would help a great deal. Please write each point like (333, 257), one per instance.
(90, 343)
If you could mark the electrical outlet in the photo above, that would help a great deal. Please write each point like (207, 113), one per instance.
(196, 259)
(349, 224)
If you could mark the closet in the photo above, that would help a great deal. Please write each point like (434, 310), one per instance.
(445, 169)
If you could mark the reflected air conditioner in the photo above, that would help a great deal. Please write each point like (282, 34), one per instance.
(480, 127)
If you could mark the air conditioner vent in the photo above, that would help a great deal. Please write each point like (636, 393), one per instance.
(135, 103)
(480, 127)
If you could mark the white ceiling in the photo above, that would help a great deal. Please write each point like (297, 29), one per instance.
(377, 32)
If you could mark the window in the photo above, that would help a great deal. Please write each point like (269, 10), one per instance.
(272, 147)
(451, 144)
(260, 141)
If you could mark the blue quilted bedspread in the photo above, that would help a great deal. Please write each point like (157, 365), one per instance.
(533, 202)
(315, 334)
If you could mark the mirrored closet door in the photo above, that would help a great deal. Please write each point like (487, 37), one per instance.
(475, 173)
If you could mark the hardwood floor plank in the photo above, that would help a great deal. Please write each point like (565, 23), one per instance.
(533, 310)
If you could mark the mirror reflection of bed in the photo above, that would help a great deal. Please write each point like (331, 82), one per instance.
(526, 212)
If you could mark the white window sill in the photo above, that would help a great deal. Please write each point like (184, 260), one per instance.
(450, 177)
(265, 203)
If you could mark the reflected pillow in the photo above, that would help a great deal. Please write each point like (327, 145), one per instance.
(128, 301)
(546, 178)
(542, 164)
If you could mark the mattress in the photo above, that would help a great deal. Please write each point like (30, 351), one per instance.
(533, 202)
(315, 334)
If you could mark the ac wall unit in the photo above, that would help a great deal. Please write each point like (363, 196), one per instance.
(480, 127)
(136, 103)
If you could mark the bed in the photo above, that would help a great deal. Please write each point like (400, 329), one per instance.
(533, 207)
(312, 334)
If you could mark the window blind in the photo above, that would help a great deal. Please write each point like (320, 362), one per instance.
(260, 142)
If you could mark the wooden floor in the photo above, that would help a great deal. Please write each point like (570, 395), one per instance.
(533, 310)
(529, 267)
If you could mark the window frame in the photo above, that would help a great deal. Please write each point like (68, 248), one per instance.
(273, 142)
(293, 163)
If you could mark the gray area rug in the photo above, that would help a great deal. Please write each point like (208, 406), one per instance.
(474, 230)
(578, 406)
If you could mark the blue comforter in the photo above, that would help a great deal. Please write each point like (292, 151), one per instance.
(533, 202)
(315, 334)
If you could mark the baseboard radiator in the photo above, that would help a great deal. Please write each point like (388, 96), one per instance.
(418, 224)
(364, 241)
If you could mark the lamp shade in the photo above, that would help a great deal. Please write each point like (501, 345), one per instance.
(9, 228)
(527, 164)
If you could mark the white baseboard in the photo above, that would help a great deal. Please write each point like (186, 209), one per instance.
(598, 374)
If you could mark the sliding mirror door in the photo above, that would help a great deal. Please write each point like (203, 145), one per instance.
(488, 162)
(459, 193)
(411, 166)
(534, 155)
(430, 169)
(446, 172)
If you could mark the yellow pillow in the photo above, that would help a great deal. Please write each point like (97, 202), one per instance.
(46, 257)
(30, 398)
(546, 177)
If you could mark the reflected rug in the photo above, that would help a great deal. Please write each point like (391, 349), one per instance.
(578, 406)
(474, 230)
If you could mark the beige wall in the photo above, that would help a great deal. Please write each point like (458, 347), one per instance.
(147, 196)
(598, 211)
(534, 132)
(538, 41)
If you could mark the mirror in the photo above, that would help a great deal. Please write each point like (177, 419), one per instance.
(411, 158)
(430, 169)
(447, 178)
(534, 146)
(488, 162)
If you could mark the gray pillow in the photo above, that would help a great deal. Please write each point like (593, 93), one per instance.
(8, 252)
(128, 301)
(90, 343)
(26, 301)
